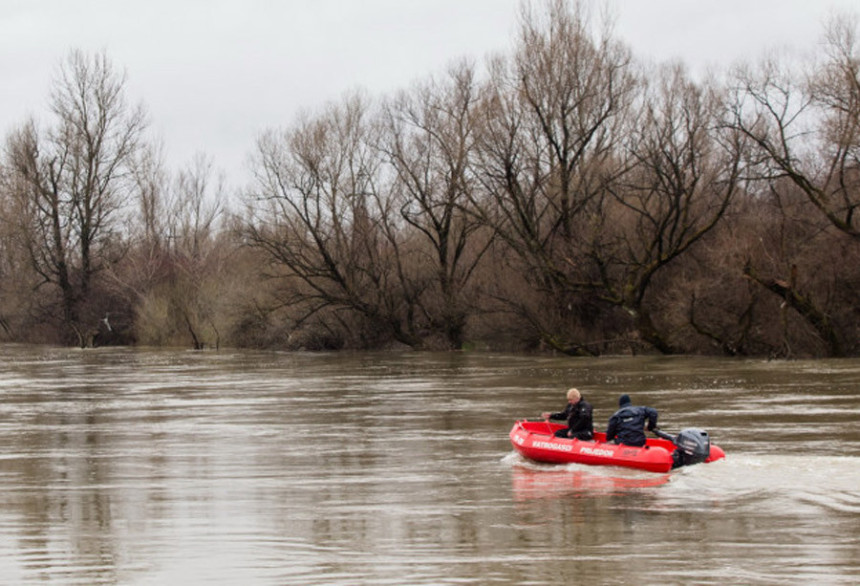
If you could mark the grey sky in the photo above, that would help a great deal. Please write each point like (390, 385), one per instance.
(214, 73)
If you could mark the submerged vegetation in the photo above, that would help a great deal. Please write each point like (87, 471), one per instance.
(564, 197)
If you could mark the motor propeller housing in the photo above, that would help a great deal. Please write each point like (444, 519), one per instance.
(693, 447)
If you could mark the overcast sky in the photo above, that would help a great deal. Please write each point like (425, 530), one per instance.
(214, 73)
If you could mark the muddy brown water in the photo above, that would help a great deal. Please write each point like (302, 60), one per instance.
(135, 466)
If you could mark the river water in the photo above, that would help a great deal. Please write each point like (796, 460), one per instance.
(130, 466)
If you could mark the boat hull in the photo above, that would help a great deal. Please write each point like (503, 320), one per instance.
(536, 441)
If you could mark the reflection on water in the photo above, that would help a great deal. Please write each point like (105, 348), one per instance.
(534, 481)
(129, 466)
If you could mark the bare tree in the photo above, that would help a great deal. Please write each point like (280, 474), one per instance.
(807, 127)
(195, 207)
(682, 174)
(319, 213)
(806, 133)
(429, 142)
(152, 186)
(72, 180)
(546, 148)
(834, 89)
(198, 250)
(178, 270)
(575, 85)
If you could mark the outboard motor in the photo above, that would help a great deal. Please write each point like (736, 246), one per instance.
(693, 447)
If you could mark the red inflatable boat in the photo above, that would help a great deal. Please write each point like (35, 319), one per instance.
(535, 441)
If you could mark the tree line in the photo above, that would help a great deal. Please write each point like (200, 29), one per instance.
(561, 197)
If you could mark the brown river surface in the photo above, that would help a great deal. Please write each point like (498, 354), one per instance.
(130, 466)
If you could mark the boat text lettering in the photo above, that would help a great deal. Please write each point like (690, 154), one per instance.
(596, 452)
(551, 446)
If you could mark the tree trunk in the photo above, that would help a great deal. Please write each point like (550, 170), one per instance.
(802, 305)
(646, 328)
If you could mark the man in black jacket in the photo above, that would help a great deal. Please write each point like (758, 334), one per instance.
(627, 425)
(578, 414)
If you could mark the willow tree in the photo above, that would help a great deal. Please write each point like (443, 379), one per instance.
(429, 141)
(323, 218)
(805, 130)
(71, 182)
(806, 127)
(546, 145)
(178, 271)
(682, 171)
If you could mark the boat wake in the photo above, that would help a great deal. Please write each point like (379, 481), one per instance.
(773, 483)
(761, 484)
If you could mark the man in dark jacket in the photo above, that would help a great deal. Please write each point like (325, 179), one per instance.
(578, 414)
(627, 425)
